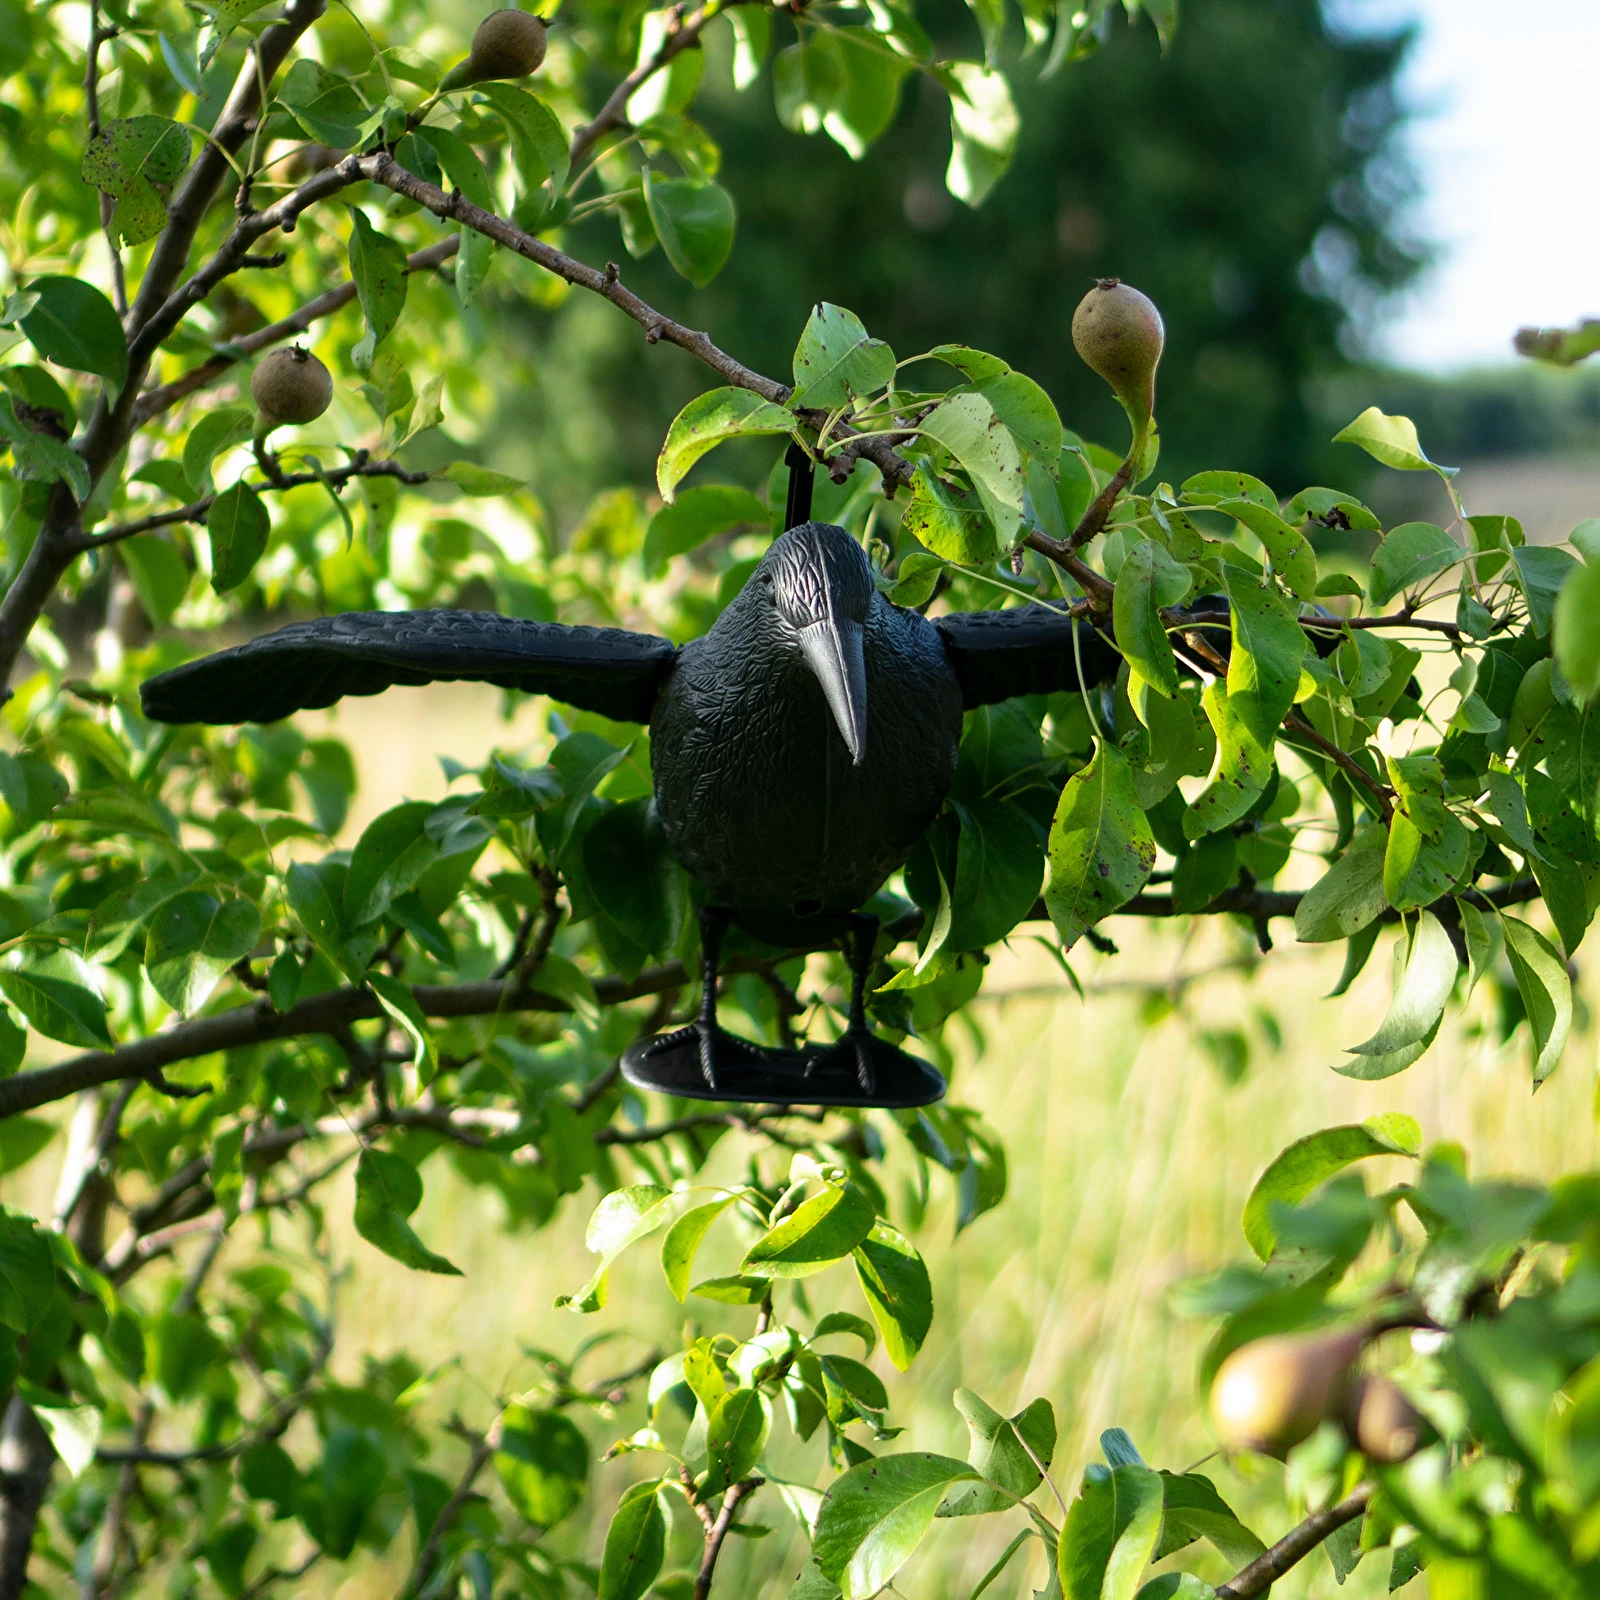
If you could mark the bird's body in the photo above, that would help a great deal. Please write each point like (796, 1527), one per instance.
(758, 793)
(798, 752)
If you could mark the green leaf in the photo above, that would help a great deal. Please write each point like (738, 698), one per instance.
(999, 867)
(1347, 897)
(863, 104)
(74, 1431)
(1546, 992)
(467, 175)
(194, 939)
(623, 1218)
(1293, 560)
(967, 426)
(983, 130)
(388, 1190)
(836, 361)
(378, 266)
(397, 999)
(1541, 570)
(1408, 555)
(736, 1434)
(1006, 1452)
(1264, 665)
(709, 420)
(949, 520)
(1110, 1534)
(21, 1139)
(57, 1007)
(1391, 440)
(75, 326)
(537, 136)
(212, 434)
(821, 1231)
(1101, 847)
(480, 483)
(316, 896)
(846, 1322)
(239, 527)
(1030, 414)
(543, 1463)
(875, 1515)
(1192, 1509)
(159, 576)
(898, 1290)
(733, 1291)
(391, 855)
(636, 1544)
(1310, 1162)
(1418, 869)
(1576, 639)
(1425, 983)
(1147, 574)
(1239, 774)
(224, 19)
(27, 1270)
(39, 457)
(697, 515)
(126, 160)
(694, 222)
(683, 1241)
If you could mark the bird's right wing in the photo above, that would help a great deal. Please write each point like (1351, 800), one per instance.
(312, 664)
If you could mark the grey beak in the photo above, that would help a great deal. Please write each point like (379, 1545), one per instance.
(833, 651)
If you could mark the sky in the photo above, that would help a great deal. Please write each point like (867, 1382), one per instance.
(1508, 146)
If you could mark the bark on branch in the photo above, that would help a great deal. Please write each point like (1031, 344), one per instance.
(1295, 1546)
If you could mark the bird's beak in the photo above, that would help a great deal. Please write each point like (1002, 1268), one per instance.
(833, 651)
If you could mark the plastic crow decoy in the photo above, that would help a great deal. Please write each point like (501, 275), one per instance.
(798, 751)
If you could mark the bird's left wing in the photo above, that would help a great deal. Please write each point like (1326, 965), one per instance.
(312, 664)
(1027, 650)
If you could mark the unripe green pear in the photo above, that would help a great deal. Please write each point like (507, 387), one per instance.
(1381, 1422)
(507, 44)
(1273, 1392)
(1118, 332)
(290, 386)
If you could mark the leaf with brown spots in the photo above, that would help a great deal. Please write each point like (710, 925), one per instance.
(1101, 847)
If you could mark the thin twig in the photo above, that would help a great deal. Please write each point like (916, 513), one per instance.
(717, 1533)
(162, 398)
(1295, 1546)
(482, 1448)
(612, 114)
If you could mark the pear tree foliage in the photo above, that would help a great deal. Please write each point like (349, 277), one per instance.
(221, 1007)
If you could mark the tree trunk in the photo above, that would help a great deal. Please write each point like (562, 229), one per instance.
(26, 1460)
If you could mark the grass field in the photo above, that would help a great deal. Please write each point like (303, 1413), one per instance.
(1130, 1158)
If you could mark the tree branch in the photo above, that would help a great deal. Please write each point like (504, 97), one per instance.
(154, 401)
(336, 478)
(717, 1533)
(612, 114)
(482, 1449)
(1295, 1546)
(383, 169)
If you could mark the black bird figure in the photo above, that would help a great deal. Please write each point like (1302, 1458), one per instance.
(798, 750)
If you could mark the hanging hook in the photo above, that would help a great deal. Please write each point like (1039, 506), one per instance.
(802, 472)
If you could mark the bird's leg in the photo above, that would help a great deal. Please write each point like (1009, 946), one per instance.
(857, 1040)
(714, 1041)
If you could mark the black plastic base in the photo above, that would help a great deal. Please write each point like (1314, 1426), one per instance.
(779, 1077)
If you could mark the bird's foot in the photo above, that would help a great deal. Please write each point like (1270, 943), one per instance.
(852, 1053)
(721, 1053)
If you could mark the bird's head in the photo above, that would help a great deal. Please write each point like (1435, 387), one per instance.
(819, 583)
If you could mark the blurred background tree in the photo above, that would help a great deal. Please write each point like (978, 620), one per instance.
(1252, 181)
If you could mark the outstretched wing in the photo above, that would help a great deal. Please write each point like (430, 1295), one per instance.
(998, 655)
(312, 664)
